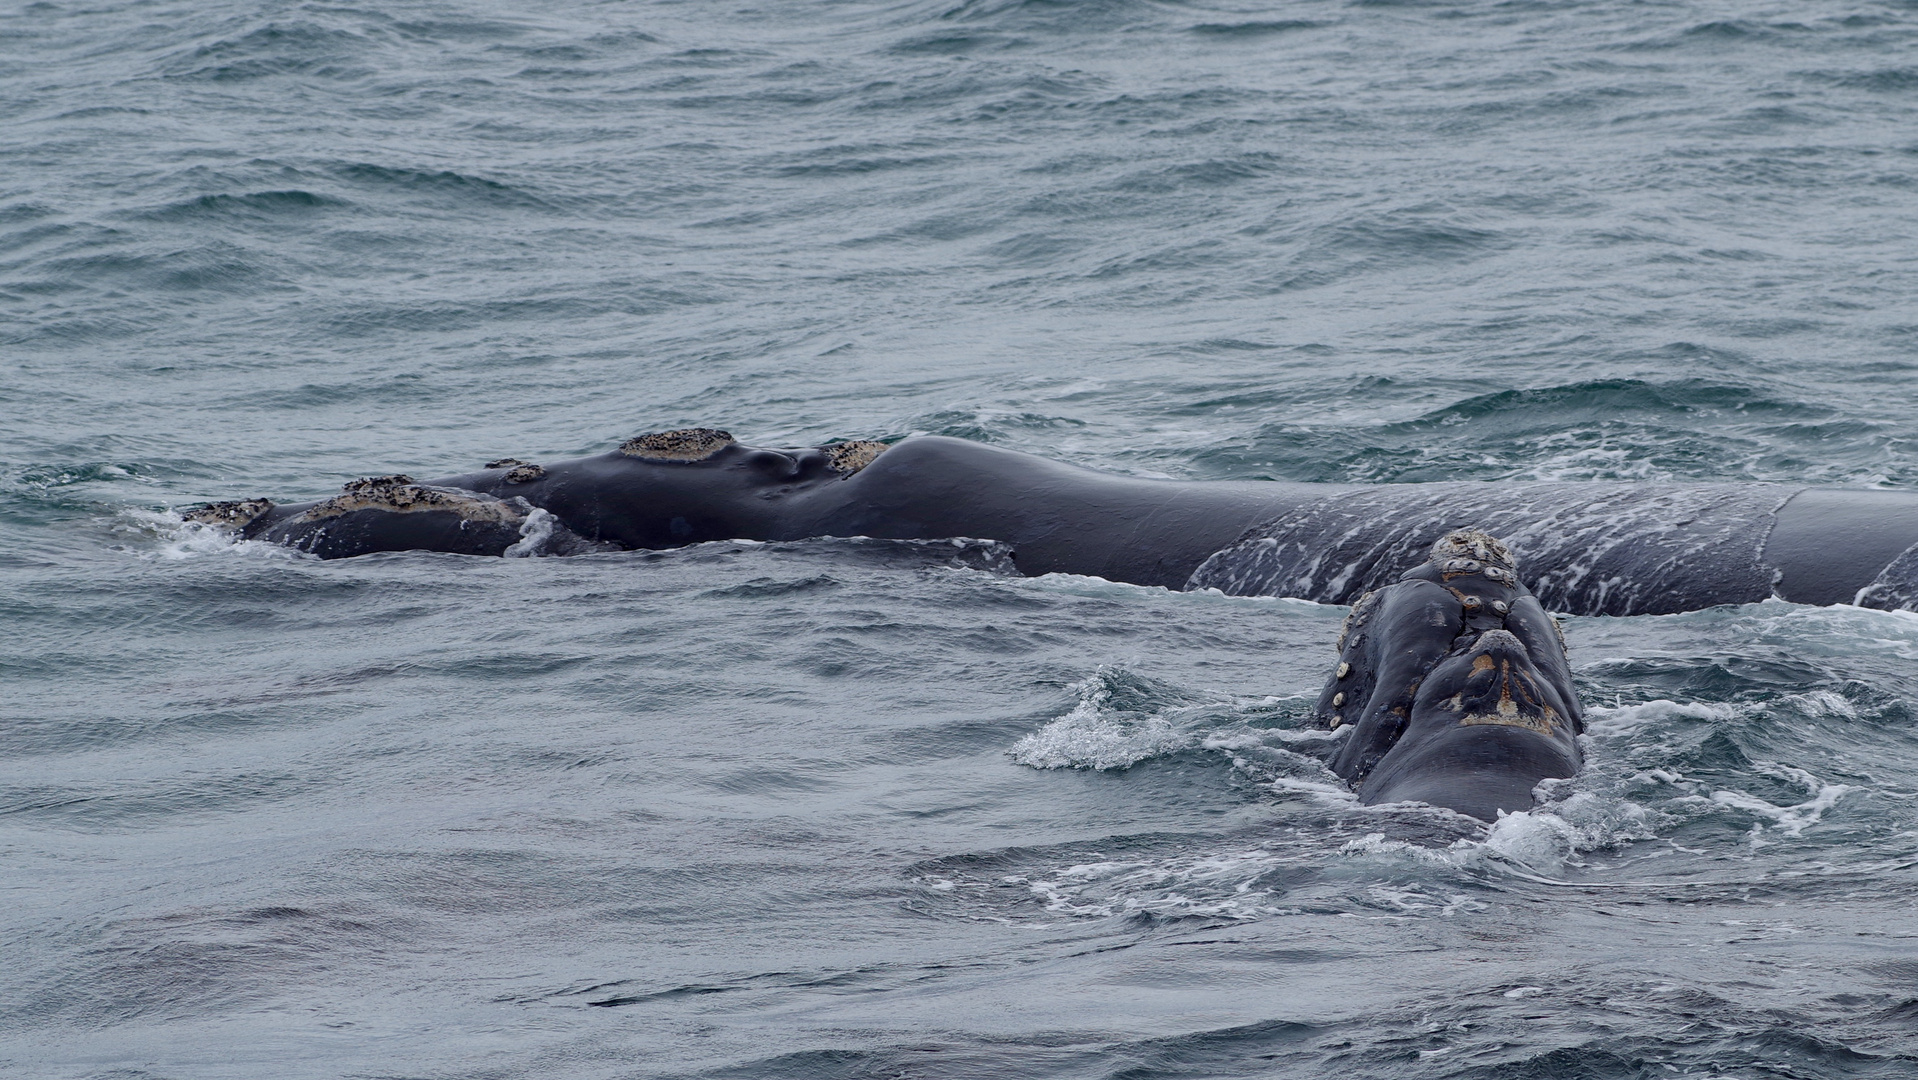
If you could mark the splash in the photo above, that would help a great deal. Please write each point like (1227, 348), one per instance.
(534, 532)
(1549, 838)
(1100, 733)
(167, 537)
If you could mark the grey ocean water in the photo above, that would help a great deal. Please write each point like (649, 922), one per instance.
(843, 809)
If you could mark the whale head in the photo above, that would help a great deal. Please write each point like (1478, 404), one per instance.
(1455, 682)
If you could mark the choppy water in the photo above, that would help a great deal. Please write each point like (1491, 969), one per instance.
(853, 809)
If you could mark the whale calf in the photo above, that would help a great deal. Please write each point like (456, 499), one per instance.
(1585, 548)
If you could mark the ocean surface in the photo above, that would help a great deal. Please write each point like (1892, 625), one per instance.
(857, 809)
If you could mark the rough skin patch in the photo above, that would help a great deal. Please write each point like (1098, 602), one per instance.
(1474, 544)
(237, 514)
(398, 494)
(690, 444)
(367, 485)
(517, 471)
(1519, 704)
(1544, 725)
(850, 457)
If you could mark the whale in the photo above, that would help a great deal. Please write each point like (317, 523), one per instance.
(1585, 548)
(1454, 686)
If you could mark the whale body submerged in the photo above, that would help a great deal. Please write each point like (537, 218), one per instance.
(1584, 548)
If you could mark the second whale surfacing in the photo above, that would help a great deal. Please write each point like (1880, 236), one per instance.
(1455, 684)
(1586, 548)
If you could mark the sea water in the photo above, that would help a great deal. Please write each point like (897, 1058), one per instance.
(848, 808)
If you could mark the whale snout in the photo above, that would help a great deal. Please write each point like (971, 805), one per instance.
(1496, 682)
(1486, 726)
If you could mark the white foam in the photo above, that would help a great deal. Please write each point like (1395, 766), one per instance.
(1604, 461)
(1548, 837)
(1236, 884)
(1118, 723)
(1373, 844)
(1409, 899)
(1537, 840)
(1541, 840)
(1524, 991)
(1091, 737)
(1330, 791)
(1825, 703)
(533, 534)
(1622, 719)
(1216, 886)
(1791, 820)
(179, 539)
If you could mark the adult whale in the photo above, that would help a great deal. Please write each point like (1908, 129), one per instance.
(1586, 548)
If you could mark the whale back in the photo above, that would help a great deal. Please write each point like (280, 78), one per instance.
(1586, 549)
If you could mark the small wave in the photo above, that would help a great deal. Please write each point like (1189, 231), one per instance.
(1253, 29)
(277, 49)
(1898, 80)
(1791, 820)
(49, 477)
(258, 204)
(1623, 719)
(1224, 885)
(1102, 732)
(455, 188)
(1693, 771)
(229, 268)
(1604, 429)
(950, 43)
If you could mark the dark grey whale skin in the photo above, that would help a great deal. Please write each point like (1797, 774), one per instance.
(1456, 687)
(1057, 517)
(1811, 545)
